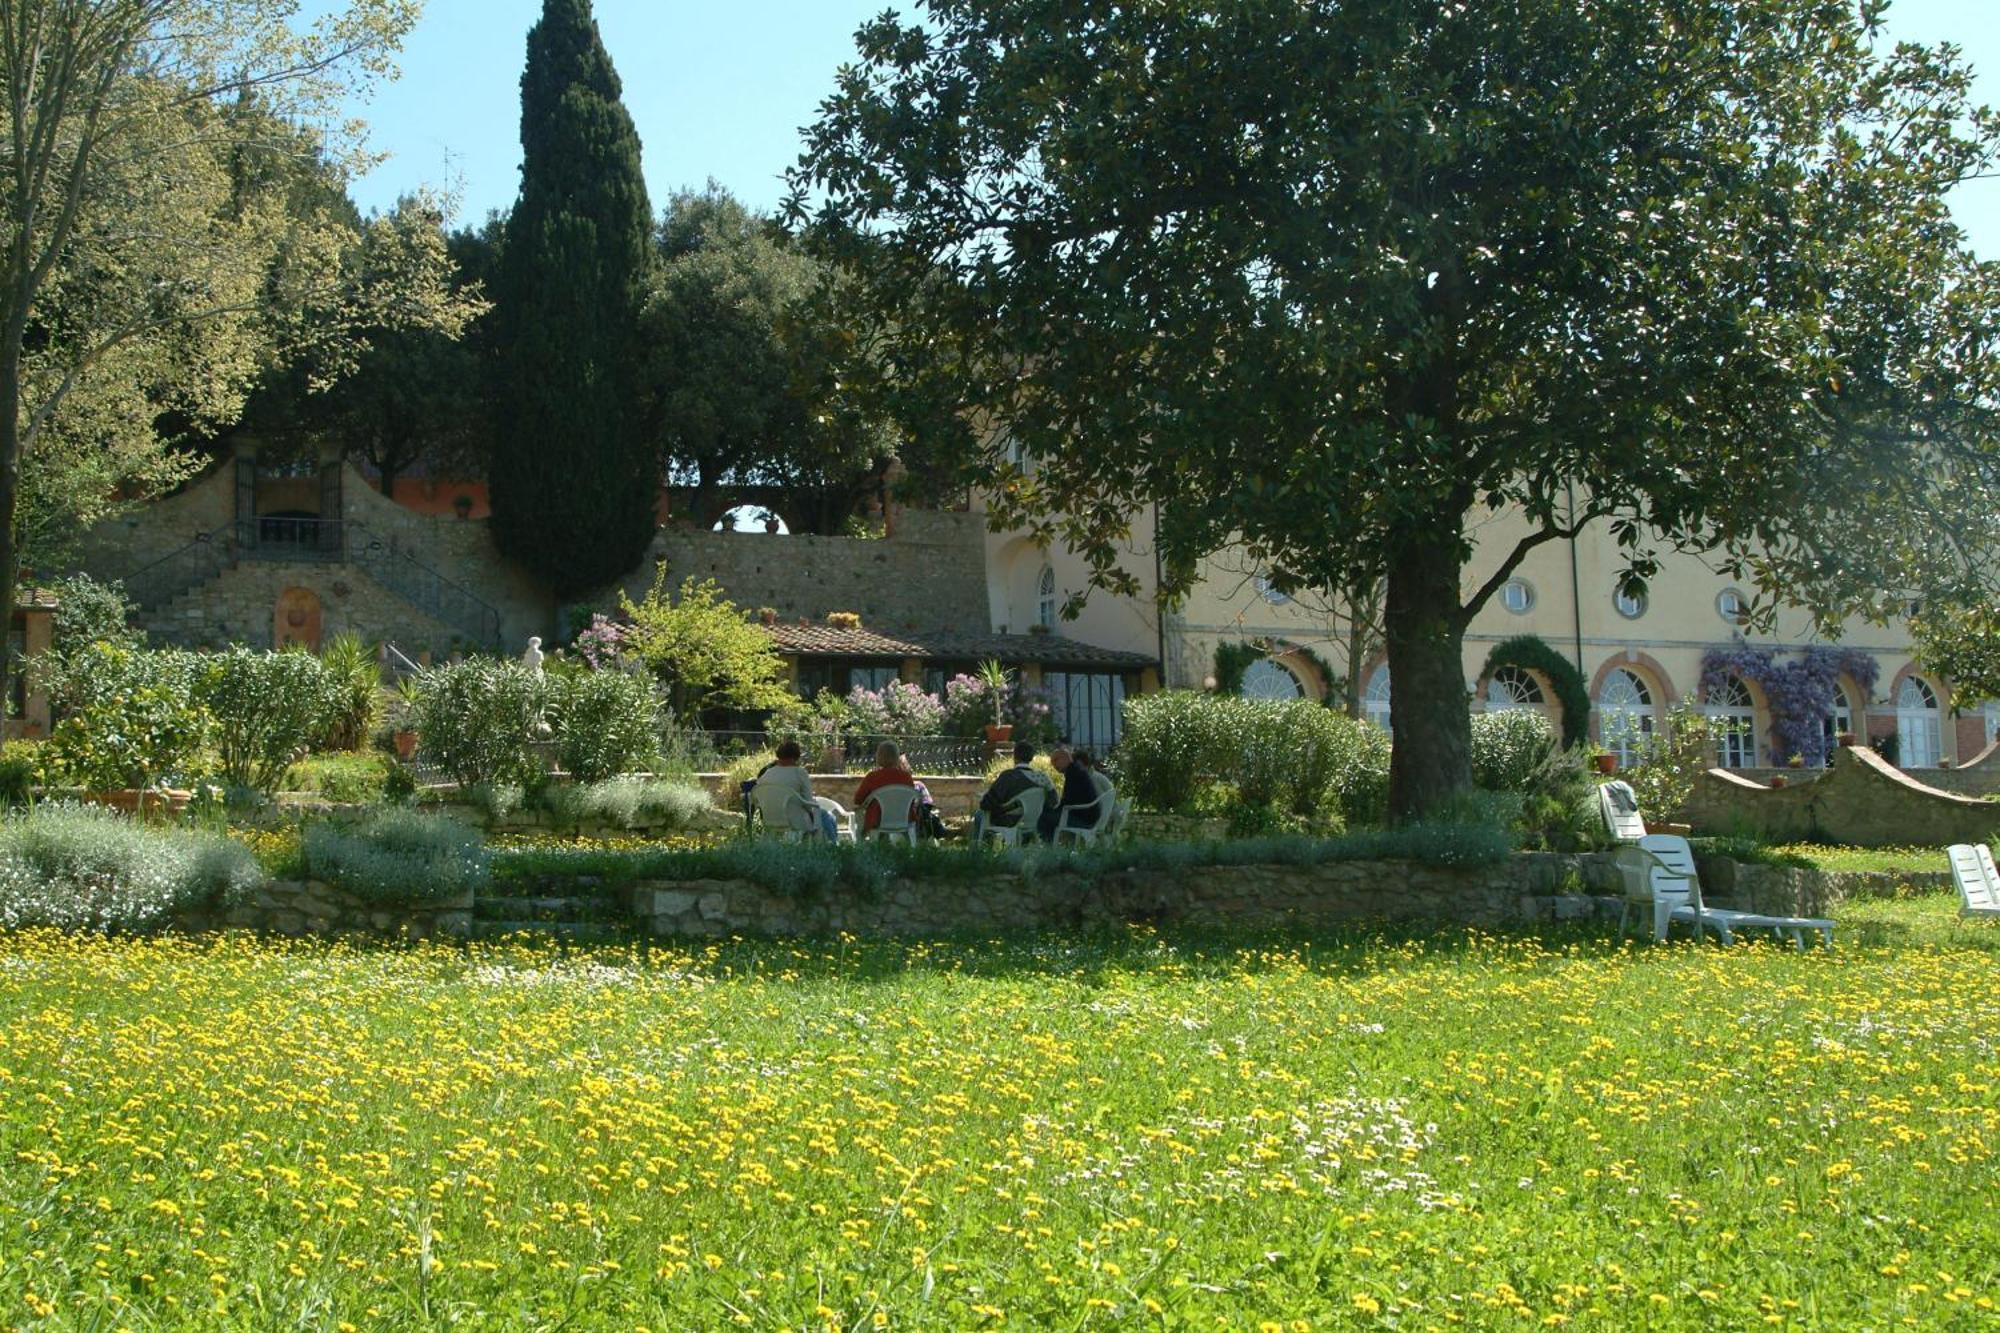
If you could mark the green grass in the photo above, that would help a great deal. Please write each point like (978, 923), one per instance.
(352, 778)
(1896, 860)
(1133, 1130)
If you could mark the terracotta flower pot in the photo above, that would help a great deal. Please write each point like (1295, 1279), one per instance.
(1847, 740)
(999, 735)
(1778, 783)
(1606, 763)
(406, 744)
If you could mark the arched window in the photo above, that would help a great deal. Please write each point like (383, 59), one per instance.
(1511, 687)
(1839, 722)
(1265, 679)
(1045, 597)
(1733, 715)
(1625, 716)
(1375, 699)
(1990, 713)
(1918, 741)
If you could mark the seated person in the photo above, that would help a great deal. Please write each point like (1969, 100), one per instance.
(1079, 793)
(888, 772)
(996, 807)
(790, 775)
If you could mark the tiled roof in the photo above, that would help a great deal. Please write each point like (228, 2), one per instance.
(41, 599)
(1011, 649)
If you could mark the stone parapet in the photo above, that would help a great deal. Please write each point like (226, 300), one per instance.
(1862, 801)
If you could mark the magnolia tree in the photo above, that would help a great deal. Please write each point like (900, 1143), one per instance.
(1333, 280)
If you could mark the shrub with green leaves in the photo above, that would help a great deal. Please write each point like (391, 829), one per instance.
(399, 856)
(269, 709)
(1174, 744)
(479, 720)
(1336, 761)
(1509, 748)
(84, 867)
(354, 683)
(606, 723)
(133, 719)
(23, 766)
(1684, 750)
(630, 802)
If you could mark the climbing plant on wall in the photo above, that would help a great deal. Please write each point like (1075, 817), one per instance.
(1532, 653)
(1232, 660)
(1800, 694)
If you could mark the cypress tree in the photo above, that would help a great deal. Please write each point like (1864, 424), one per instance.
(573, 481)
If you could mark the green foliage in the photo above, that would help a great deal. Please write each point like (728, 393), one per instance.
(1685, 749)
(629, 802)
(606, 723)
(23, 766)
(1231, 661)
(479, 720)
(1296, 756)
(744, 349)
(133, 718)
(1781, 322)
(745, 770)
(1959, 639)
(1510, 748)
(399, 784)
(348, 778)
(399, 856)
(574, 478)
(354, 679)
(89, 611)
(808, 870)
(1532, 653)
(83, 867)
(268, 710)
(1751, 852)
(705, 652)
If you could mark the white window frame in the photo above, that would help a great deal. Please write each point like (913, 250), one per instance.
(1513, 687)
(1629, 605)
(1526, 594)
(1735, 727)
(1271, 682)
(1919, 724)
(1626, 721)
(1728, 598)
(1045, 597)
(1375, 697)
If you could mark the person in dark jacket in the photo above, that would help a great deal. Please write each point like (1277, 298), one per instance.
(996, 807)
(1079, 793)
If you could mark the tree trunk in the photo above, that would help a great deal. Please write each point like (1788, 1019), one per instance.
(1357, 656)
(10, 486)
(1425, 634)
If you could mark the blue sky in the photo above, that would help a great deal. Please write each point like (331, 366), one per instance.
(720, 90)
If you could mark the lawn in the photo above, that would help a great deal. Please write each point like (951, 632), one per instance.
(1895, 860)
(1139, 1130)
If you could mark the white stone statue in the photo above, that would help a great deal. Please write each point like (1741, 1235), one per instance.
(532, 659)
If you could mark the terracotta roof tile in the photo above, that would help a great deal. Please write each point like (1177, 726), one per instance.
(1011, 649)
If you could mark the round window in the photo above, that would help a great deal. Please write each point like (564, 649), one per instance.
(1518, 596)
(1631, 603)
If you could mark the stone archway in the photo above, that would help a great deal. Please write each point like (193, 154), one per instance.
(295, 620)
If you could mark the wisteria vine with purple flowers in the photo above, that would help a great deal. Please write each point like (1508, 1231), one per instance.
(1800, 694)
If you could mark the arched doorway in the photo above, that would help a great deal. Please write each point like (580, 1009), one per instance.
(1625, 716)
(295, 621)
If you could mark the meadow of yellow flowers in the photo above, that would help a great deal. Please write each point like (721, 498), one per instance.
(1133, 1131)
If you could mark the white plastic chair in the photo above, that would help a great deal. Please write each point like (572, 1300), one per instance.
(1978, 880)
(1108, 822)
(1619, 805)
(893, 805)
(1031, 802)
(843, 818)
(1676, 891)
(787, 816)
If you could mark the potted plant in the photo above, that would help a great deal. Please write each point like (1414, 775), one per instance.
(1847, 740)
(1606, 761)
(1778, 782)
(994, 677)
(767, 616)
(405, 734)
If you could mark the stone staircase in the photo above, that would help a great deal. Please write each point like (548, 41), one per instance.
(593, 915)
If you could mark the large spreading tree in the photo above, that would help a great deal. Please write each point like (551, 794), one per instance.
(1333, 279)
(158, 249)
(574, 479)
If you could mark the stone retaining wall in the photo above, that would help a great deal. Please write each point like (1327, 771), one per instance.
(1862, 801)
(312, 907)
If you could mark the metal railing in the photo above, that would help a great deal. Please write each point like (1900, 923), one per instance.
(422, 586)
(152, 585)
(936, 756)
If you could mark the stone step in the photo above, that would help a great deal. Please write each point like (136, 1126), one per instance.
(569, 932)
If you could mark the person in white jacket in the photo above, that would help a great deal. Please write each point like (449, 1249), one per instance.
(789, 774)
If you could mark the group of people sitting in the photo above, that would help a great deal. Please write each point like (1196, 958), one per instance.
(1000, 807)
(1080, 800)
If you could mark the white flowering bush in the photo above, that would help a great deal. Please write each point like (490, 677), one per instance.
(631, 802)
(399, 856)
(85, 867)
(1511, 749)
